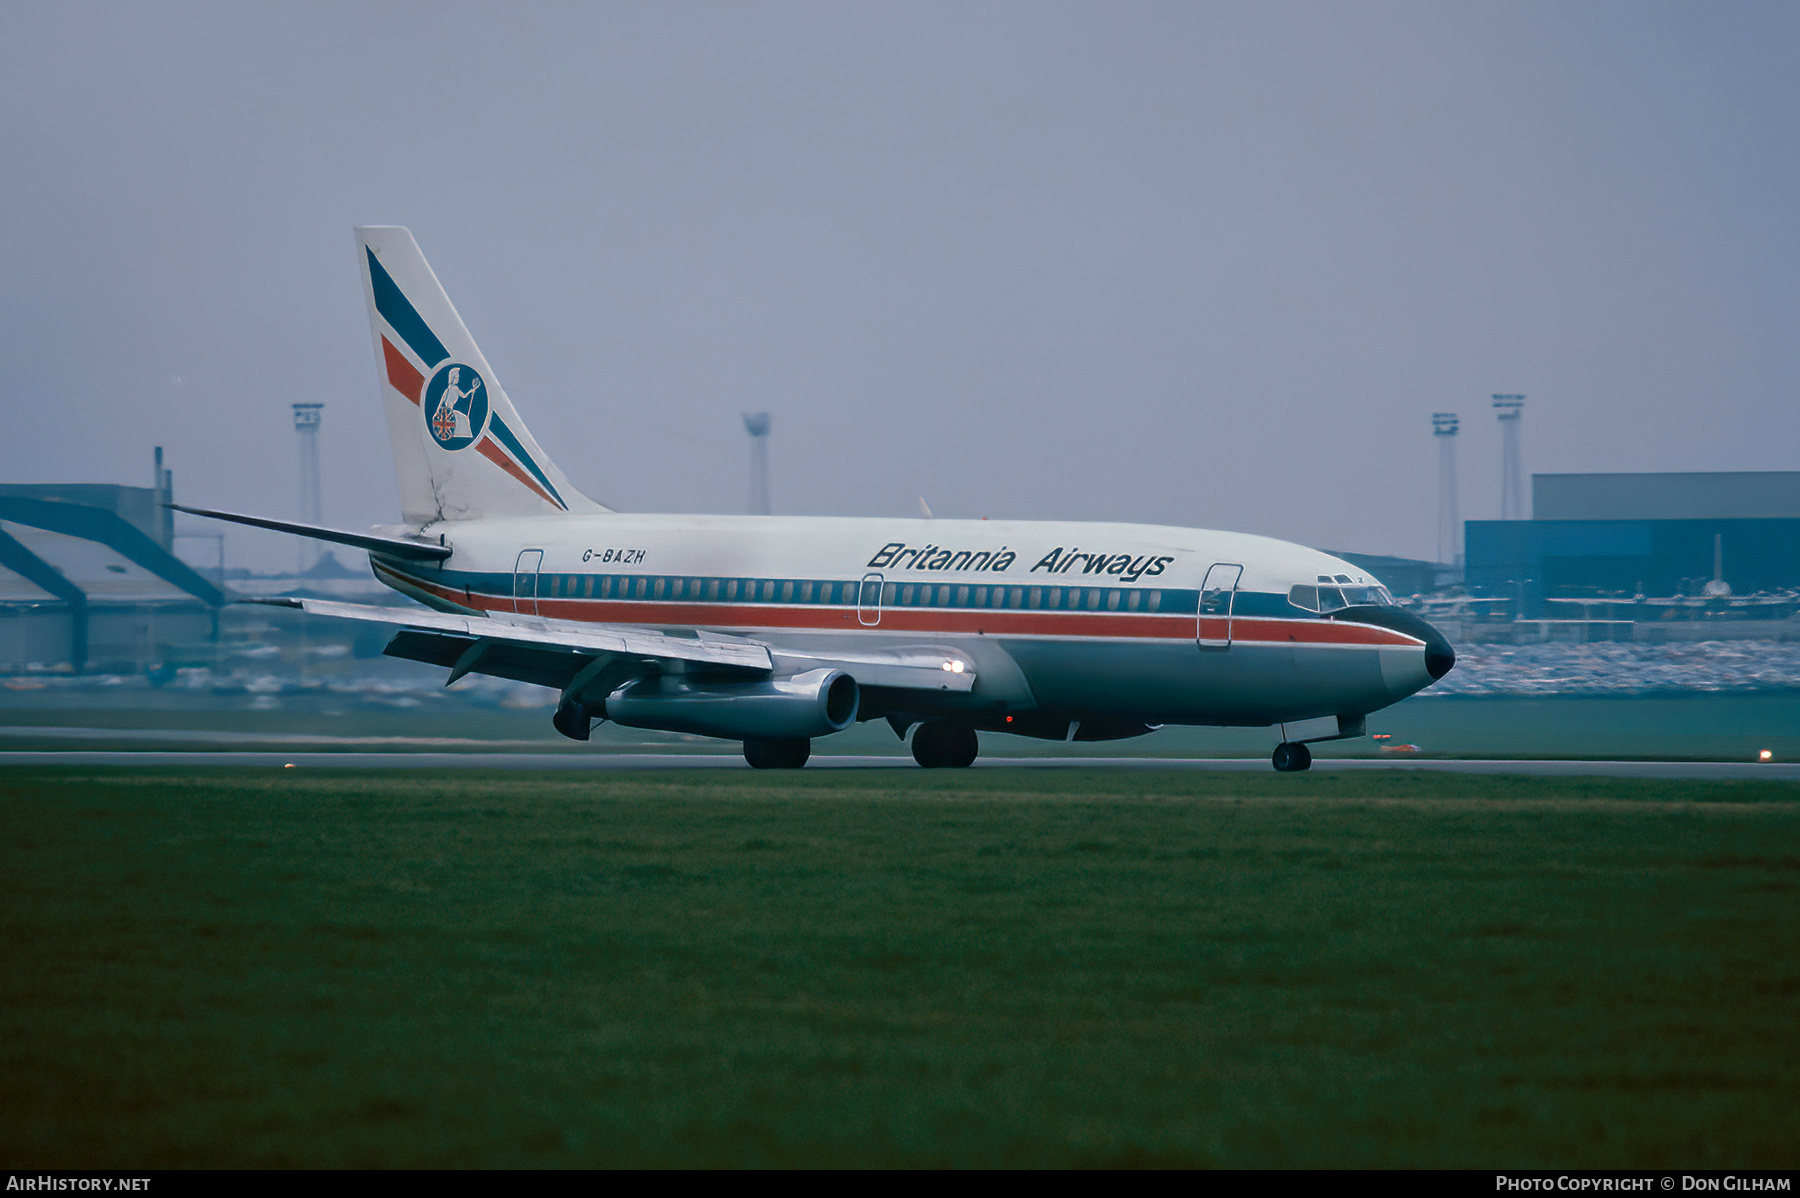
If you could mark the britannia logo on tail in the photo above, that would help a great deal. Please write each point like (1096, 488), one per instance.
(455, 406)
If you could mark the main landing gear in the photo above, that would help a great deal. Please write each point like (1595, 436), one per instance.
(943, 745)
(1291, 756)
(777, 754)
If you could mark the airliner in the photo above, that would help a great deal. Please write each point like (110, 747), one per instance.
(778, 630)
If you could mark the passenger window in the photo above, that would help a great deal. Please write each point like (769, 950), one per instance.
(1304, 597)
(980, 596)
(1132, 600)
(962, 596)
(656, 591)
(1037, 594)
(787, 592)
(906, 595)
(1154, 602)
(1112, 601)
(889, 592)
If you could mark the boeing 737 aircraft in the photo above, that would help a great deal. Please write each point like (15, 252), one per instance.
(775, 630)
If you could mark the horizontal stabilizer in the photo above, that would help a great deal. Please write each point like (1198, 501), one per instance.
(406, 547)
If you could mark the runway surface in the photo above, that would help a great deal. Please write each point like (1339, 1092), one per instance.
(1714, 770)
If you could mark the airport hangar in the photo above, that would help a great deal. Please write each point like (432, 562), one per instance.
(89, 579)
(1632, 534)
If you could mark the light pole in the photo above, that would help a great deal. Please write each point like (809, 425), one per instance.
(1512, 477)
(1443, 430)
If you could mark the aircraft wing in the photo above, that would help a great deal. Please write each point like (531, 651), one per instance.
(554, 652)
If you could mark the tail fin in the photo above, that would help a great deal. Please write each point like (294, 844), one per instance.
(460, 450)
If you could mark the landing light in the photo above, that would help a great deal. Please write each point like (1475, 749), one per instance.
(955, 667)
(1765, 755)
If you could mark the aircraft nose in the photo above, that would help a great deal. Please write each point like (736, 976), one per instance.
(1439, 656)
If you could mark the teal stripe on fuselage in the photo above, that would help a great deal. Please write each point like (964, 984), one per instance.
(402, 316)
(961, 596)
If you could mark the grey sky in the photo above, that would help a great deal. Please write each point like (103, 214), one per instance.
(1208, 264)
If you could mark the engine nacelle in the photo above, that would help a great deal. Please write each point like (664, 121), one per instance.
(816, 703)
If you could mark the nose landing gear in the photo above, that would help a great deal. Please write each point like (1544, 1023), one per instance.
(1291, 756)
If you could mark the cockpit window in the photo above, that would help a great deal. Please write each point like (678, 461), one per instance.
(1368, 596)
(1328, 599)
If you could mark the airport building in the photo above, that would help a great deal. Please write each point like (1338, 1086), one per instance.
(89, 580)
(1626, 535)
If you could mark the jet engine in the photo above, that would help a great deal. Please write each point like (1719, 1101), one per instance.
(799, 707)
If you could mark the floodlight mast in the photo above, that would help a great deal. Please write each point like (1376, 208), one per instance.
(306, 424)
(757, 425)
(1509, 408)
(1443, 429)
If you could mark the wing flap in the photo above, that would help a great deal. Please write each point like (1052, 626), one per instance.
(538, 665)
(557, 636)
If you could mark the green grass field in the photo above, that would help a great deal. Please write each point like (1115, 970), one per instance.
(274, 968)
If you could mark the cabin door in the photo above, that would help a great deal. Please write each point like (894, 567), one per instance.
(525, 581)
(1218, 594)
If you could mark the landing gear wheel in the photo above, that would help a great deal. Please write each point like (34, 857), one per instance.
(943, 745)
(1291, 757)
(777, 754)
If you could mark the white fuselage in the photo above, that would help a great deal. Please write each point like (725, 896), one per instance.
(1123, 622)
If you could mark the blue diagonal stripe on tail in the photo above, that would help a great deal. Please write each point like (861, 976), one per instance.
(402, 316)
(505, 436)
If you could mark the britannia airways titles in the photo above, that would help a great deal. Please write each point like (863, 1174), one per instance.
(898, 555)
